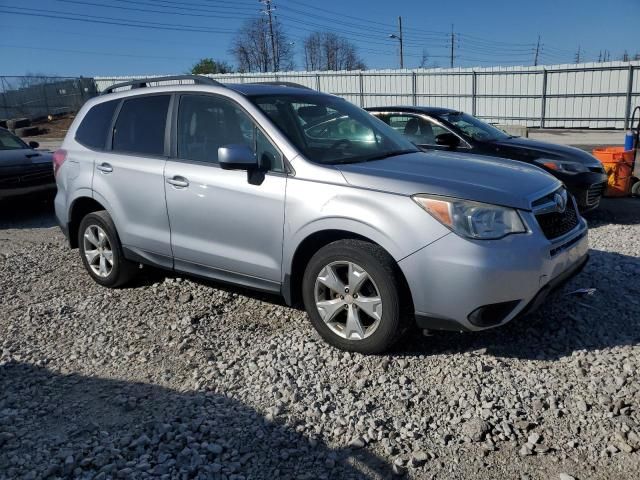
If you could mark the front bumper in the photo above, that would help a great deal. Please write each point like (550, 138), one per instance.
(587, 188)
(454, 277)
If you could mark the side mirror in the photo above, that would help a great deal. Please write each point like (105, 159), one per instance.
(33, 144)
(237, 157)
(448, 140)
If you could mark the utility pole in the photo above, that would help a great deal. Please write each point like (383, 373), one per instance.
(452, 43)
(578, 55)
(399, 38)
(600, 56)
(268, 11)
(535, 59)
(401, 51)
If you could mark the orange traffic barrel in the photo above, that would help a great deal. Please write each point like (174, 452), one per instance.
(619, 167)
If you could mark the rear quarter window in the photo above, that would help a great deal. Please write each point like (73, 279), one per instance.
(95, 125)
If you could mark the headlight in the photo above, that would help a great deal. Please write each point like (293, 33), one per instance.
(469, 219)
(562, 165)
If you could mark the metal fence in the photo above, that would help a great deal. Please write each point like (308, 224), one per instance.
(591, 95)
(35, 97)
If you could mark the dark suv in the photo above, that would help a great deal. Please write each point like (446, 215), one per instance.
(445, 129)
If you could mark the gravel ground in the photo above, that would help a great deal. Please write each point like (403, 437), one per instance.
(175, 378)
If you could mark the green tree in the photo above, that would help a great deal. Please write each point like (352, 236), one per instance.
(209, 65)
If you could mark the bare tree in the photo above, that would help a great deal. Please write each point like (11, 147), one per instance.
(253, 49)
(328, 51)
(425, 59)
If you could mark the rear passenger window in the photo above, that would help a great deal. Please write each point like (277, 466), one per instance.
(95, 125)
(141, 124)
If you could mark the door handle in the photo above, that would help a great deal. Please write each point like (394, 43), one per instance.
(105, 168)
(178, 181)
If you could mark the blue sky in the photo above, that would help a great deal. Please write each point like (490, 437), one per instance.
(489, 32)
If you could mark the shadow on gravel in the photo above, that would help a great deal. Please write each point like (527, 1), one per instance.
(565, 324)
(616, 211)
(73, 426)
(27, 212)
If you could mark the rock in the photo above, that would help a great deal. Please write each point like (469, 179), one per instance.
(526, 449)
(533, 438)
(565, 476)
(185, 297)
(582, 405)
(419, 458)
(214, 448)
(357, 442)
(476, 429)
(625, 447)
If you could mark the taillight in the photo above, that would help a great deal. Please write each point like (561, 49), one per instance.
(59, 156)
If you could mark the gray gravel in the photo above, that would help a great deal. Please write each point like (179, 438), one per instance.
(175, 378)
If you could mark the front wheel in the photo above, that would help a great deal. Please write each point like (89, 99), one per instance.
(350, 291)
(101, 251)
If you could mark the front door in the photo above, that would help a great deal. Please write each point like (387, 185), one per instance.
(224, 224)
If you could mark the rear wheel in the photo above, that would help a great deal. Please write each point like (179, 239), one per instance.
(101, 251)
(635, 189)
(350, 291)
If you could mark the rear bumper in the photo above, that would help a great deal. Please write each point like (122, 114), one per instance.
(454, 278)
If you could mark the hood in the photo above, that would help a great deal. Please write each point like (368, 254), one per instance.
(536, 149)
(470, 177)
(24, 157)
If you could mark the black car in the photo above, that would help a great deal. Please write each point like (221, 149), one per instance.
(443, 128)
(23, 170)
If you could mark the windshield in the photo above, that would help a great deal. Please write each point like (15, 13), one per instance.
(10, 142)
(331, 130)
(472, 127)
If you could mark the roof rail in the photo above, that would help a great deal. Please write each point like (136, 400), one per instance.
(283, 84)
(143, 82)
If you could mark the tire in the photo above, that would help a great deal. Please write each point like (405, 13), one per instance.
(101, 225)
(635, 189)
(377, 332)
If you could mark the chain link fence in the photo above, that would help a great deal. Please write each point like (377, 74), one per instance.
(38, 97)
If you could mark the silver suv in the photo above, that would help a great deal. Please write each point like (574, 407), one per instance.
(287, 190)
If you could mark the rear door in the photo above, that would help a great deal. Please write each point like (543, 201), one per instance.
(129, 176)
(225, 224)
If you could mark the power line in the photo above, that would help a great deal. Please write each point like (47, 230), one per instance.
(89, 52)
(115, 21)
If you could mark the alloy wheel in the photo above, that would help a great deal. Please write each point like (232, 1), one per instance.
(348, 300)
(98, 251)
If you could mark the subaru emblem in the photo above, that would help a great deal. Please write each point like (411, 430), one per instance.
(560, 200)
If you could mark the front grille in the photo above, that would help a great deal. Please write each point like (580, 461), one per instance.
(556, 224)
(595, 192)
